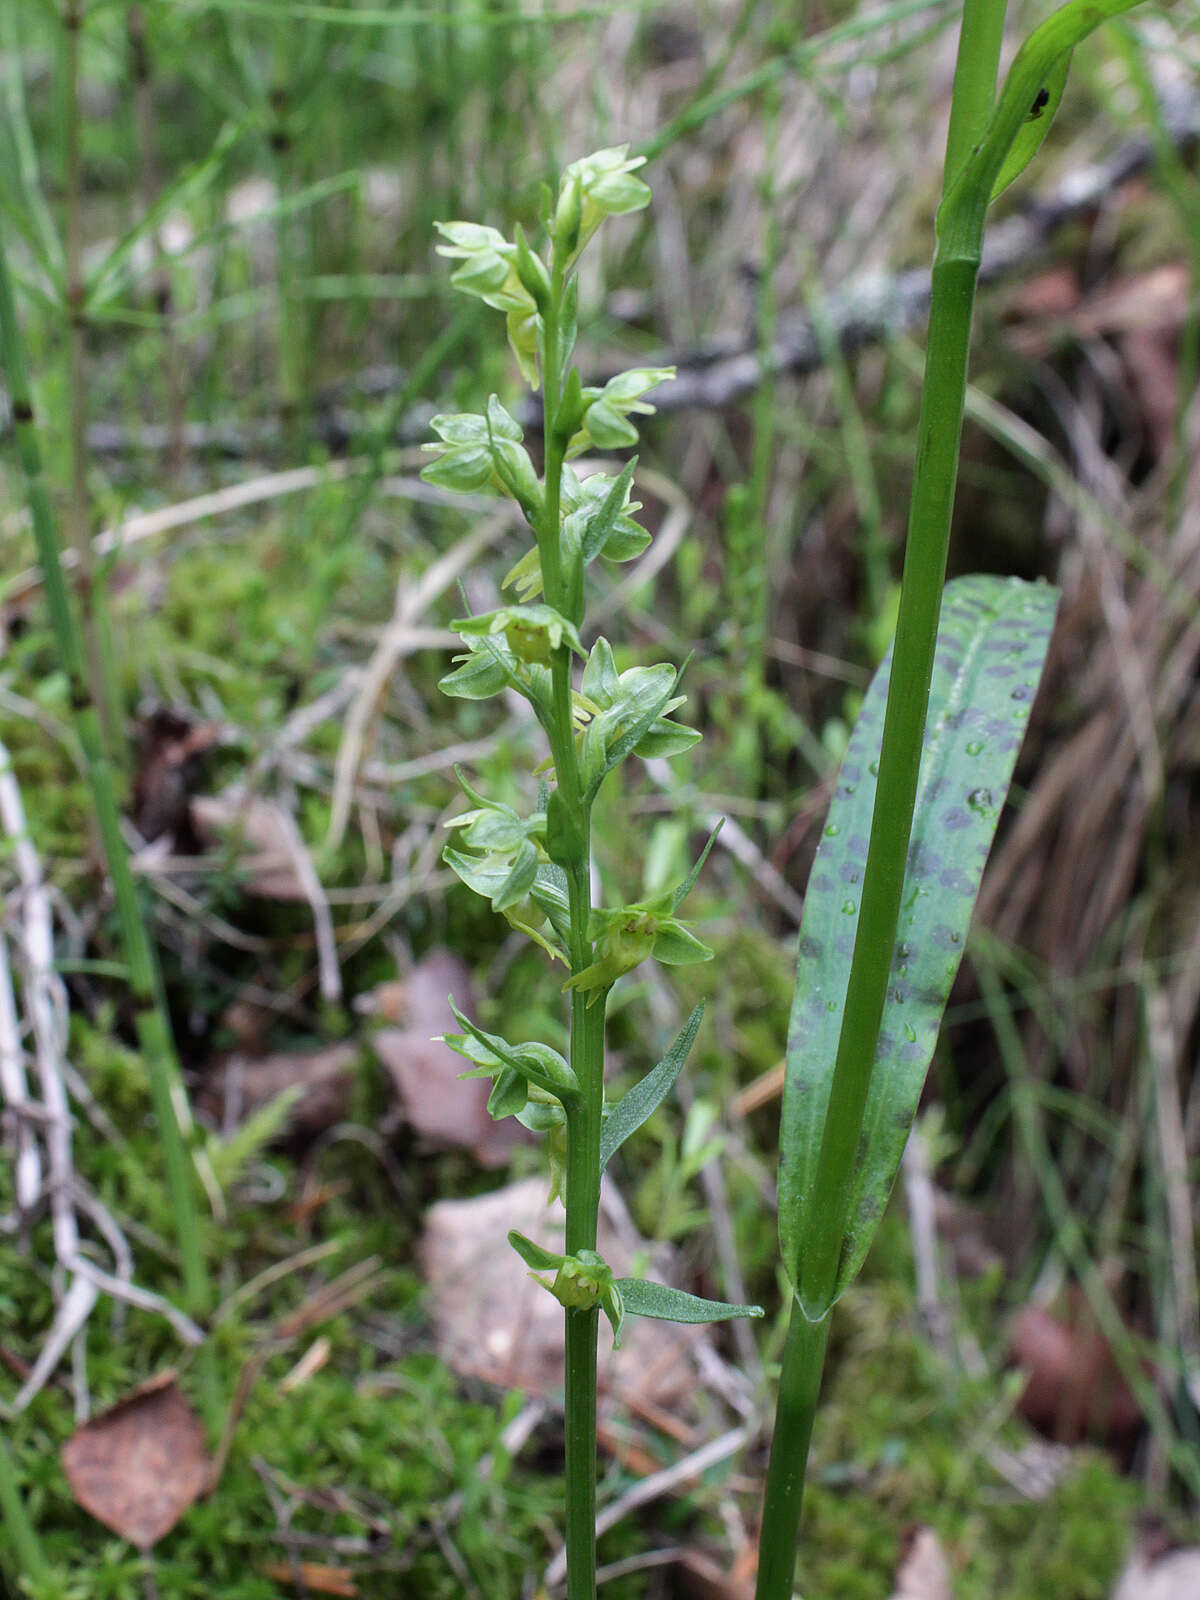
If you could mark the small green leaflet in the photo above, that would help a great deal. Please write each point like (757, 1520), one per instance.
(992, 643)
(644, 1099)
(643, 1299)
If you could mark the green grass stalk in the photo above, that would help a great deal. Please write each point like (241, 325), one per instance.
(1068, 1233)
(97, 632)
(939, 429)
(146, 124)
(166, 1087)
(27, 1547)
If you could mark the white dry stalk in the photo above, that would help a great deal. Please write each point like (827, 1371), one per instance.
(46, 1121)
(14, 1089)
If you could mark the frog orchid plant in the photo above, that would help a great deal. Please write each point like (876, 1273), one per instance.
(918, 799)
(536, 869)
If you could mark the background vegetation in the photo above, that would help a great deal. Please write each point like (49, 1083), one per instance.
(219, 214)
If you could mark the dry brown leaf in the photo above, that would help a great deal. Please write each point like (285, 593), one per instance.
(1053, 292)
(314, 1575)
(1155, 299)
(138, 1467)
(1172, 1577)
(1073, 1389)
(441, 1107)
(492, 1321)
(238, 1085)
(264, 836)
(169, 750)
(924, 1572)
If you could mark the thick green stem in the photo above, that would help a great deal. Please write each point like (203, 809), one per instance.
(582, 1194)
(799, 1387)
(979, 42)
(935, 473)
(899, 760)
(943, 395)
(583, 1208)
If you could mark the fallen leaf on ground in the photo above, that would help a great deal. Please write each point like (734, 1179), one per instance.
(492, 1321)
(239, 1085)
(924, 1572)
(1171, 1577)
(264, 837)
(312, 1575)
(138, 1467)
(441, 1107)
(170, 747)
(1073, 1389)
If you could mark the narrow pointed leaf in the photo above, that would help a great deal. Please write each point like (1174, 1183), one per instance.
(689, 883)
(674, 946)
(600, 523)
(1036, 125)
(659, 1300)
(1037, 66)
(991, 648)
(645, 1097)
(480, 676)
(533, 1255)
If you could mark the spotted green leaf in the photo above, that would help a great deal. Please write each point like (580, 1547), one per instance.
(991, 648)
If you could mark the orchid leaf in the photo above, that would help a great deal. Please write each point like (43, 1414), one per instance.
(644, 1299)
(991, 648)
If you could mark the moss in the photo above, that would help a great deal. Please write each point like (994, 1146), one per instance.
(903, 1439)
